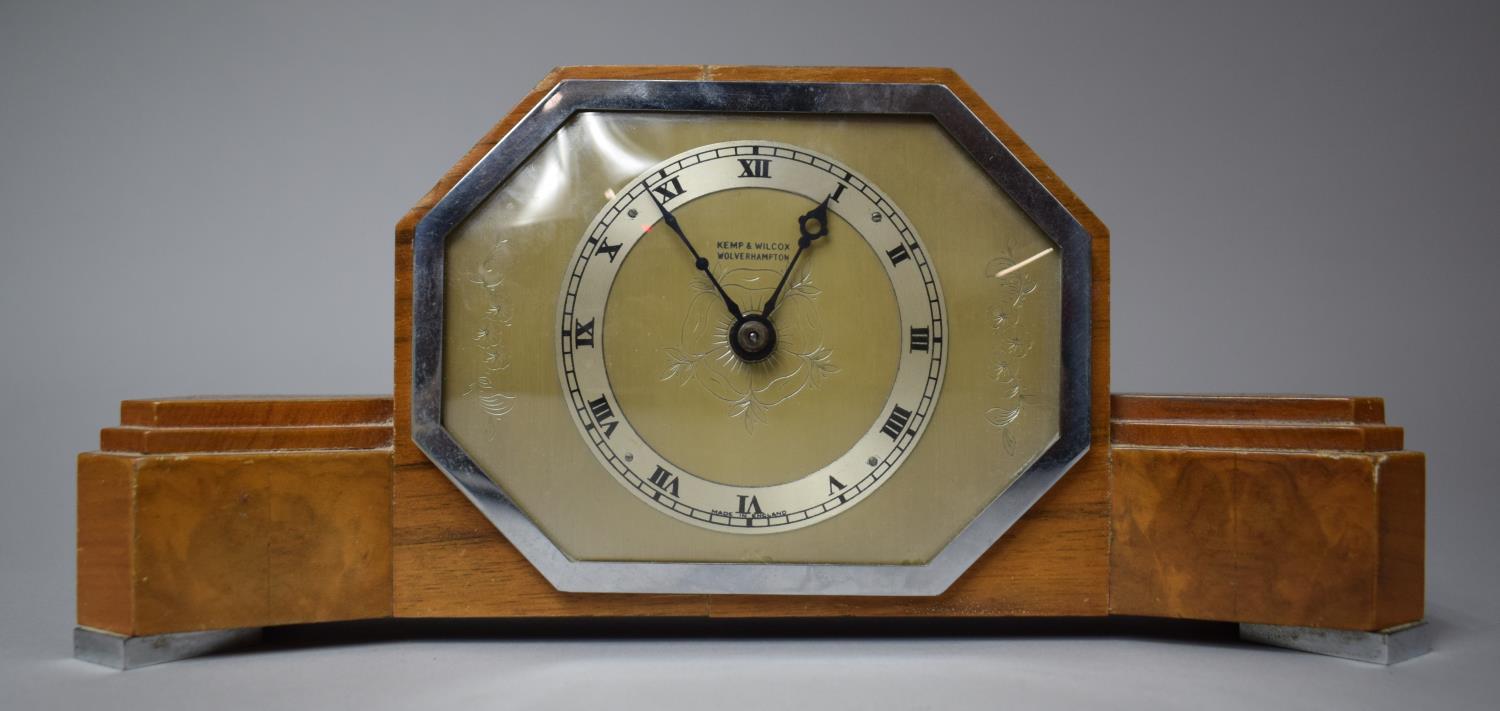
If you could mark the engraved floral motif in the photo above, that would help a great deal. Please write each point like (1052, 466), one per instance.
(751, 390)
(489, 338)
(1014, 286)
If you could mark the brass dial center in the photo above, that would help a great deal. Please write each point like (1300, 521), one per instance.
(752, 338)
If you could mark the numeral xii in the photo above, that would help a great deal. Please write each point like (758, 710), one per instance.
(755, 167)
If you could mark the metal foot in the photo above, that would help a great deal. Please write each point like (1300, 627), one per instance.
(121, 652)
(1389, 646)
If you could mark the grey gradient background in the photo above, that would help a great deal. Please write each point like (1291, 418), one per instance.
(199, 198)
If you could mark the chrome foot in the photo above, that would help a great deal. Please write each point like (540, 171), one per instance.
(121, 652)
(1390, 646)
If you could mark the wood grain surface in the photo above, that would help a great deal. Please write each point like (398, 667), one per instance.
(257, 411)
(1053, 562)
(1350, 438)
(106, 530)
(1279, 511)
(153, 440)
(1271, 408)
(209, 522)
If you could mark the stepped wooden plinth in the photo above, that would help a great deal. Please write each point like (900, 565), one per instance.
(217, 513)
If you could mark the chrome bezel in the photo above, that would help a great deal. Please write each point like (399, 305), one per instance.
(572, 96)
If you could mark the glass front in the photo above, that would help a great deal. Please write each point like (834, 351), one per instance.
(841, 347)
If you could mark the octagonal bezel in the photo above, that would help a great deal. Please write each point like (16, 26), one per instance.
(934, 100)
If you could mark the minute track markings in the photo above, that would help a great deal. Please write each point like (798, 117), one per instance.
(721, 514)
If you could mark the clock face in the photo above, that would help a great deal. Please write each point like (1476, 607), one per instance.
(723, 338)
(710, 362)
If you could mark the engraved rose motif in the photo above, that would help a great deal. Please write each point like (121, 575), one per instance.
(703, 357)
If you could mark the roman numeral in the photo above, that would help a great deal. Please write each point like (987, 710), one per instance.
(583, 333)
(748, 505)
(665, 480)
(755, 167)
(898, 255)
(669, 189)
(837, 192)
(920, 338)
(604, 415)
(834, 486)
(608, 249)
(896, 422)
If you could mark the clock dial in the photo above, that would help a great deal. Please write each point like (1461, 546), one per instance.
(595, 373)
(708, 361)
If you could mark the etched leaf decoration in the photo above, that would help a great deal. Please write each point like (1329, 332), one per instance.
(1017, 347)
(802, 286)
(1027, 287)
(497, 405)
(999, 319)
(998, 265)
(720, 385)
(751, 411)
(496, 313)
(496, 360)
(1002, 372)
(487, 277)
(1002, 416)
(783, 388)
(755, 415)
(821, 362)
(798, 328)
(1006, 377)
(681, 365)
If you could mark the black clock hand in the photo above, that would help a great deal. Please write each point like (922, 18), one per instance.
(813, 225)
(698, 261)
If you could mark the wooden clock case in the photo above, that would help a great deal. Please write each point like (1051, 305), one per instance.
(204, 515)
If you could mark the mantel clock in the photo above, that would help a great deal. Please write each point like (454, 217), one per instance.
(766, 342)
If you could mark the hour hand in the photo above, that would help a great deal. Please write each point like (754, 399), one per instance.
(813, 225)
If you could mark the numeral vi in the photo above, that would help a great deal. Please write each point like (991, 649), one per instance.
(749, 505)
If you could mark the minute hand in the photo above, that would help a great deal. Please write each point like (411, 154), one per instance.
(698, 261)
(812, 225)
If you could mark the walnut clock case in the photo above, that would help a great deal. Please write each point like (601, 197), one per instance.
(750, 342)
